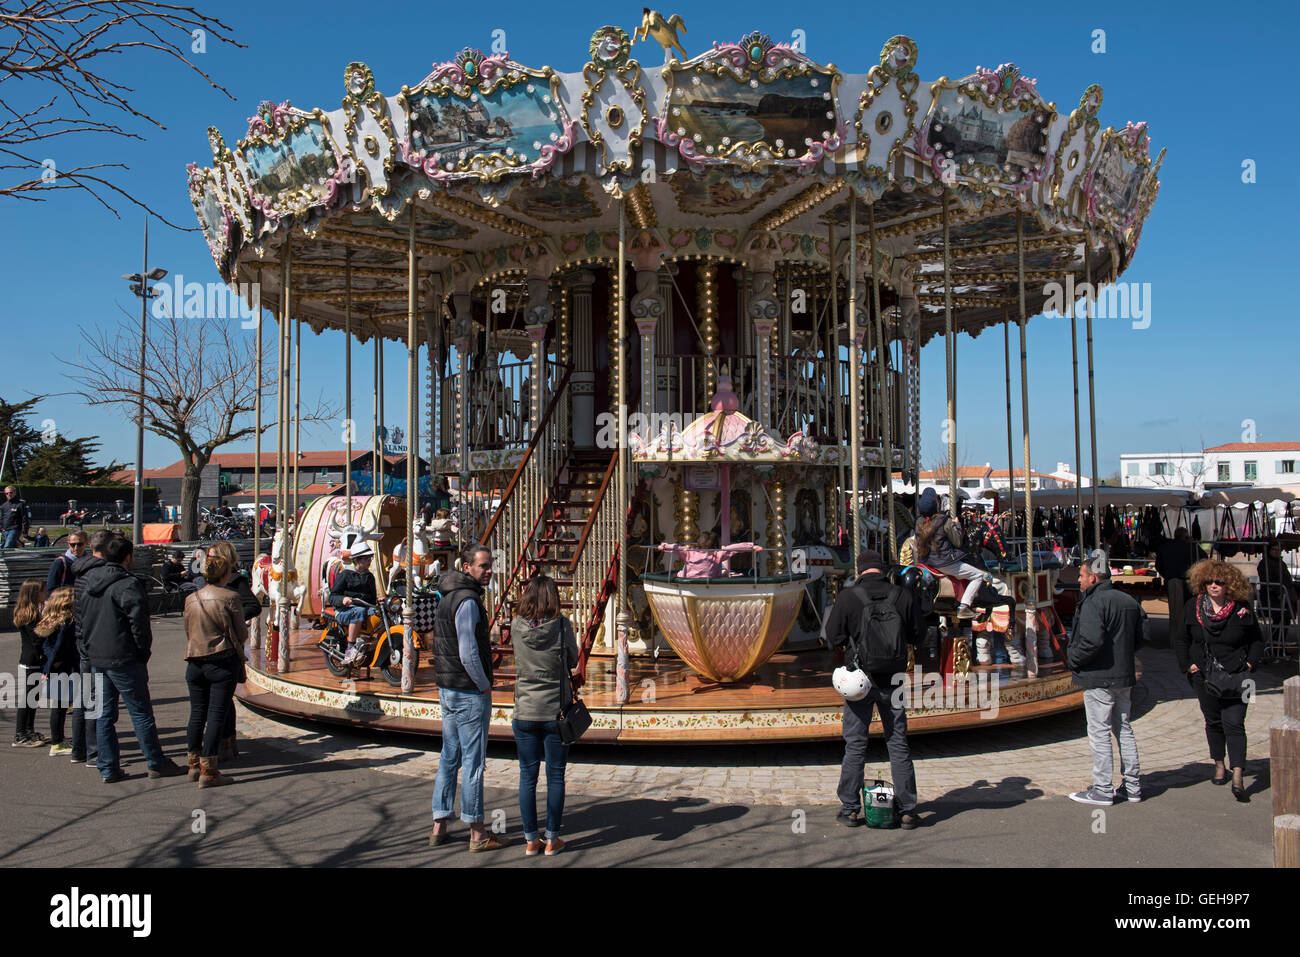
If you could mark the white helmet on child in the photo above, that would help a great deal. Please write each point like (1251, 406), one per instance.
(361, 550)
(852, 684)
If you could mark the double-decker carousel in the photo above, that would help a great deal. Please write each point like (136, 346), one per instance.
(680, 303)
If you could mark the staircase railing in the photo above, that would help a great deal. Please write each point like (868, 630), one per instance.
(595, 566)
(525, 495)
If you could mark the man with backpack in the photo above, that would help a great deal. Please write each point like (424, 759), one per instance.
(875, 621)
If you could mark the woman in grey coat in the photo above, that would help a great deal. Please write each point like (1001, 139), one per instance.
(546, 650)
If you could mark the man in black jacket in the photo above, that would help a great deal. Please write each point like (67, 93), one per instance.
(15, 520)
(113, 612)
(462, 668)
(842, 625)
(1107, 629)
(1173, 557)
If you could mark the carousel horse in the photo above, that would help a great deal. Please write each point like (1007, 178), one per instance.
(269, 581)
(260, 580)
(939, 594)
(421, 557)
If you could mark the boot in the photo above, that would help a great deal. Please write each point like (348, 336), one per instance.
(193, 757)
(210, 777)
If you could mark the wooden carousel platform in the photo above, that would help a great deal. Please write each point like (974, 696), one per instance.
(789, 699)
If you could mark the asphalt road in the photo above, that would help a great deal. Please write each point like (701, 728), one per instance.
(288, 809)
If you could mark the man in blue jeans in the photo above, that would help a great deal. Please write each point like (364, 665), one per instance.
(462, 667)
(113, 612)
(1107, 630)
(15, 520)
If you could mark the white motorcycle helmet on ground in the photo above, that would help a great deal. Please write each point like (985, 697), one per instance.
(851, 683)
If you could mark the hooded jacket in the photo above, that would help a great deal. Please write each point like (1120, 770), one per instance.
(113, 611)
(79, 568)
(1107, 628)
(540, 689)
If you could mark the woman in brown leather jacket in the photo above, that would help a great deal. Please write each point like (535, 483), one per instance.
(215, 634)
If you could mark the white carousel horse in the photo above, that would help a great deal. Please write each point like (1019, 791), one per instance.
(421, 557)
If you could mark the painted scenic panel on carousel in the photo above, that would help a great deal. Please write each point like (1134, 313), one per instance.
(515, 121)
(557, 201)
(971, 133)
(1117, 179)
(323, 251)
(714, 195)
(893, 205)
(212, 214)
(718, 112)
(302, 160)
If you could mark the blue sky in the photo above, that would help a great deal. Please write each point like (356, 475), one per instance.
(1217, 252)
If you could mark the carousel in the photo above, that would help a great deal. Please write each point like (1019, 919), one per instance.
(661, 302)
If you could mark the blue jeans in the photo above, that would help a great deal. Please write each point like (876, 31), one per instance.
(12, 536)
(132, 685)
(1107, 711)
(533, 739)
(465, 717)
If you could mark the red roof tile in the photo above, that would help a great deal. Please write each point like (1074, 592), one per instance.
(1257, 447)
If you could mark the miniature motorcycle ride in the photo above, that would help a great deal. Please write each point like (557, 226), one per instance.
(381, 642)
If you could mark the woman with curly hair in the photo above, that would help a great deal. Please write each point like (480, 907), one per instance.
(1218, 626)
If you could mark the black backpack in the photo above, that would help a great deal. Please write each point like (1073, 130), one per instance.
(879, 644)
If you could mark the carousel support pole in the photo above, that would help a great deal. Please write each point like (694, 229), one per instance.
(776, 530)
(297, 413)
(256, 637)
(882, 352)
(286, 540)
(463, 305)
(855, 433)
(1031, 614)
(1006, 361)
(374, 426)
(347, 379)
(950, 344)
(1078, 450)
(412, 392)
(763, 312)
(647, 310)
(382, 434)
(624, 620)
(1092, 390)
(834, 356)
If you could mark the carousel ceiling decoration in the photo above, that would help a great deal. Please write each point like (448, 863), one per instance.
(709, 151)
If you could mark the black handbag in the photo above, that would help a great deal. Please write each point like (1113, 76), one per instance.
(1219, 681)
(574, 719)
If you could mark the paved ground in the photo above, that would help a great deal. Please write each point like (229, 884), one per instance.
(313, 795)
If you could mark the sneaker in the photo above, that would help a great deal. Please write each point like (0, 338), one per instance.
(966, 611)
(849, 819)
(168, 769)
(78, 758)
(909, 820)
(58, 749)
(28, 741)
(118, 775)
(351, 655)
(1092, 796)
(1123, 795)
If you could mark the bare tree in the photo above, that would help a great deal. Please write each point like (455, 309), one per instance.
(64, 45)
(199, 388)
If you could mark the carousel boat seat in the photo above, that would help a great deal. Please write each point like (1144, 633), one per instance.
(724, 628)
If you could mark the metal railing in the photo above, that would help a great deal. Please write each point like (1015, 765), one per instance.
(510, 532)
(595, 556)
(498, 405)
(801, 391)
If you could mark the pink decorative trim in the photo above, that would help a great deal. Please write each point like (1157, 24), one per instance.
(279, 118)
(992, 81)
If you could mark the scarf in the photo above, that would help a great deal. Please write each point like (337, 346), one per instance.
(1211, 623)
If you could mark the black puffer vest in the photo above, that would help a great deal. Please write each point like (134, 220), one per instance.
(448, 672)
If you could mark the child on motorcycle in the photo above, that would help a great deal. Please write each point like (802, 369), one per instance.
(354, 584)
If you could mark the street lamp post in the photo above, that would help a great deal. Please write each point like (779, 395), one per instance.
(140, 286)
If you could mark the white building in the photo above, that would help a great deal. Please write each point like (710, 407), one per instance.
(1162, 469)
(978, 481)
(1254, 463)
(1237, 463)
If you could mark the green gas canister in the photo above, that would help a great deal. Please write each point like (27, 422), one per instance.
(878, 805)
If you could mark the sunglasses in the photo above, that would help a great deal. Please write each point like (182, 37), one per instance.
(1215, 581)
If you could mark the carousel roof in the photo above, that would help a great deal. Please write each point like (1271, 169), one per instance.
(749, 146)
